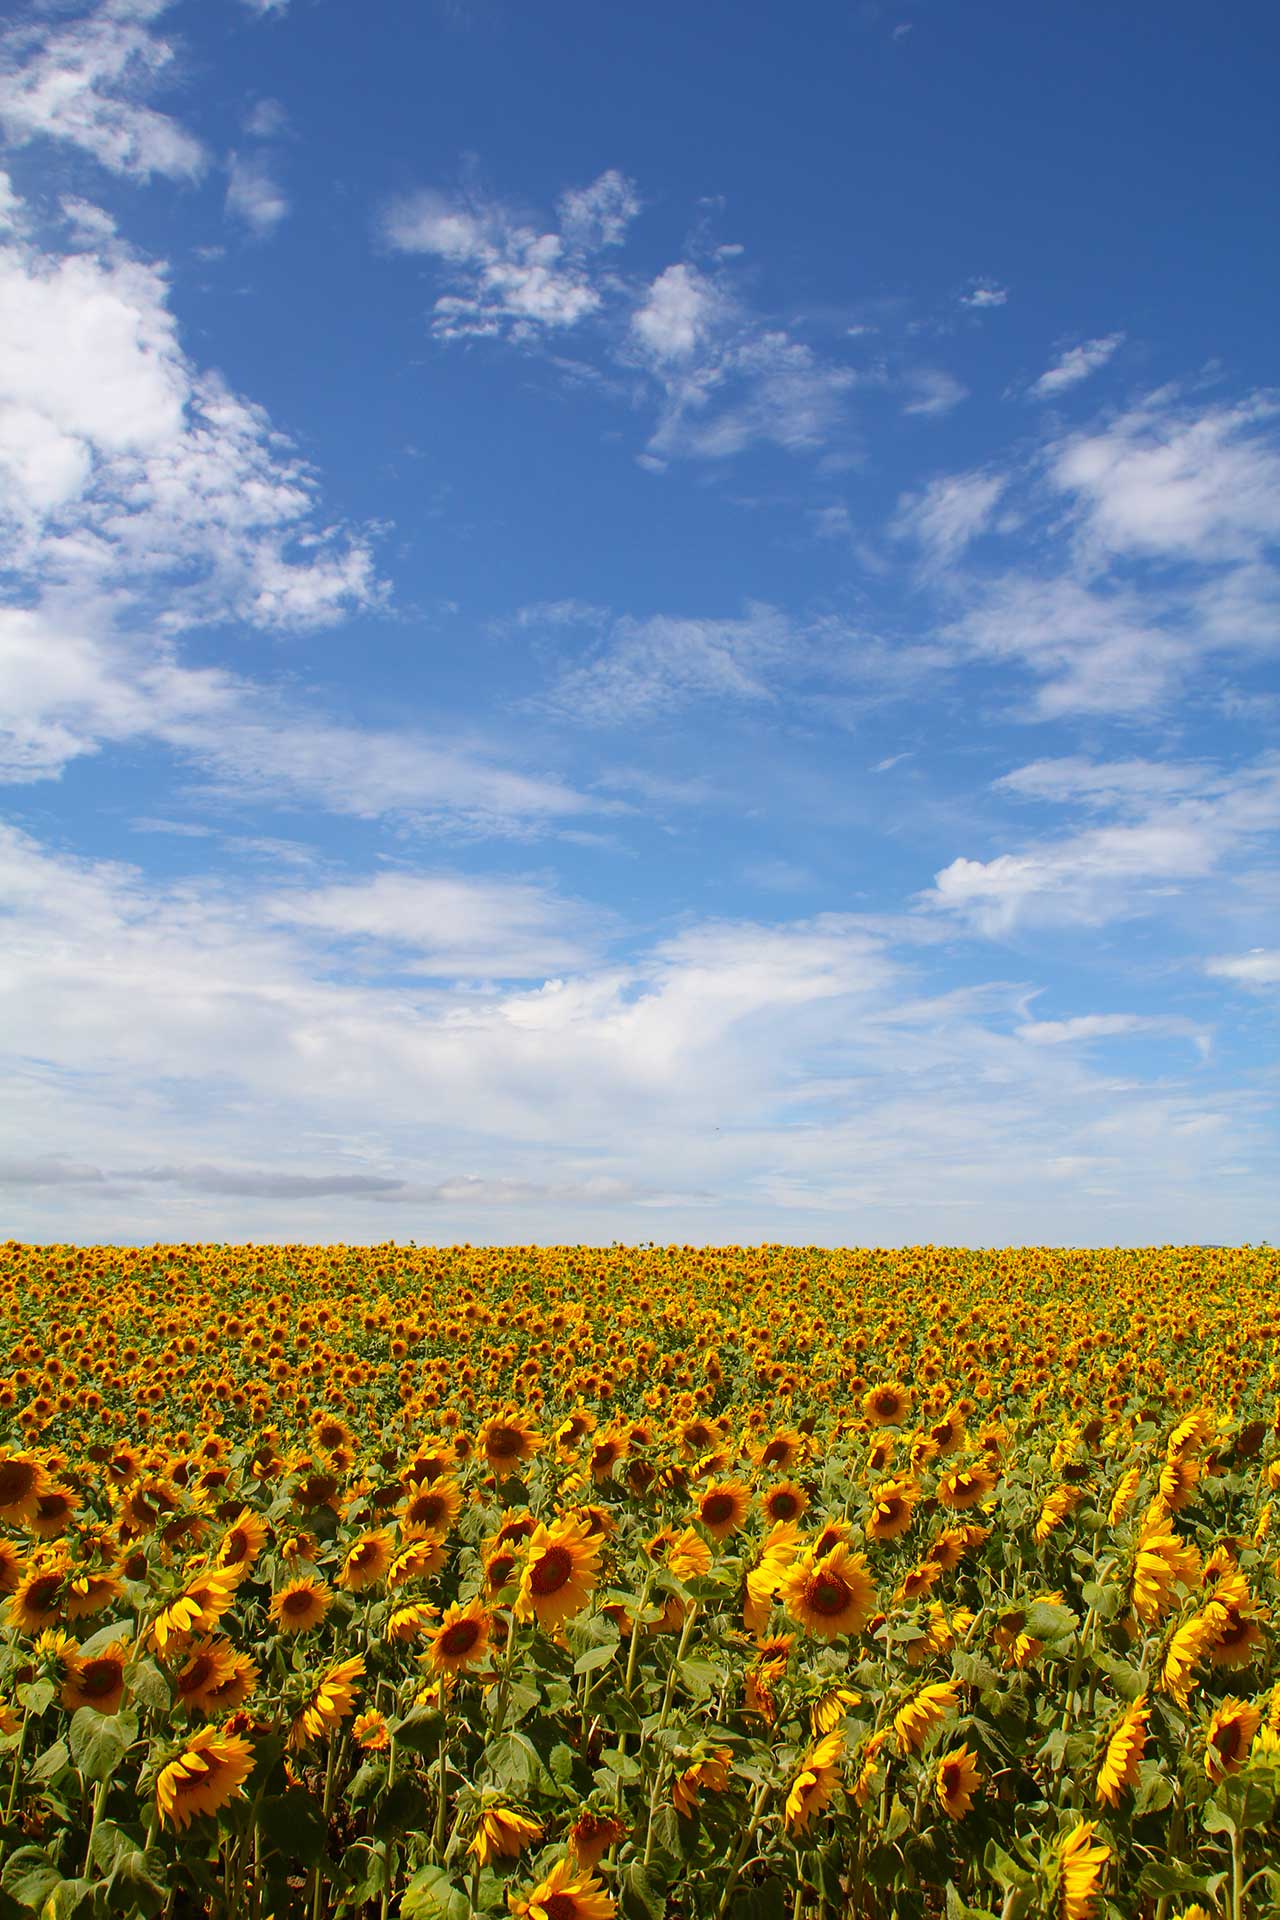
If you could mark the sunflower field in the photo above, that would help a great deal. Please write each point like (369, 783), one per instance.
(754, 1583)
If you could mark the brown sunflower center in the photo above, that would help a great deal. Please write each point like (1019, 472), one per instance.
(828, 1594)
(503, 1443)
(42, 1592)
(1227, 1741)
(717, 1508)
(299, 1602)
(17, 1477)
(551, 1570)
(429, 1510)
(459, 1638)
(97, 1678)
(783, 1506)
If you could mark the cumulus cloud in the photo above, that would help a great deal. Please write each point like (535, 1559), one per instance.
(985, 293)
(509, 277)
(1076, 365)
(86, 81)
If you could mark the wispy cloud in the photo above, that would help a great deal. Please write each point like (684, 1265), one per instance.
(254, 195)
(1076, 364)
(948, 513)
(1260, 967)
(985, 294)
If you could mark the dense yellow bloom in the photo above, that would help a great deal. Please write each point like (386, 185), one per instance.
(1125, 1748)
(1162, 1562)
(502, 1834)
(210, 1771)
(893, 1503)
(830, 1595)
(332, 1701)
(461, 1640)
(1229, 1736)
(917, 1717)
(198, 1608)
(560, 1570)
(1081, 1863)
(815, 1782)
(567, 1893)
(301, 1605)
(956, 1778)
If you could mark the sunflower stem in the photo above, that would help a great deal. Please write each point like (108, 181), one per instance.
(744, 1848)
(17, 1765)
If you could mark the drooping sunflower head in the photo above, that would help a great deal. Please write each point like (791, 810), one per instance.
(210, 1771)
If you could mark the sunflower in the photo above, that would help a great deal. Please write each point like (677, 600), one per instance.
(96, 1680)
(815, 1783)
(869, 1769)
(502, 1834)
(966, 1487)
(366, 1562)
(416, 1559)
(406, 1623)
(435, 1508)
(893, 1503)
(1186, 1649)
(210, 1771)
(301, 1605)
(687, 1553)
(54, 1513)
(827, 1712)
(1125, 1748)
(12, 1566)
(232, 1692)
(243, 1541)
(332, 1701)
(591, 1836)
(1079, 1869)
(567, 1893)
(1229, 1736)
(36, 1601)
(24, 1482)
(209, 1664)
(506, 1442)
(89, 1593)
(560, 1570)
(461, 1640)
(956, 1778)
(198, 1608)
(1161, 1562)
(917, 1717)
(829, 1595)
(710, 1771)
(723, 1507)
(886, 1405)
(370, 1731)
(785, 1500)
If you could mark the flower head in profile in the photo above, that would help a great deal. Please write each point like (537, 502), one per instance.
(1079, 1866)
(710, 1773)
(210, 1771)
(1125, 1748)
(502, 1834)
(332, 1701)
(592, 1835)
(815, 1782)
(567, 1893)
(917, 1717)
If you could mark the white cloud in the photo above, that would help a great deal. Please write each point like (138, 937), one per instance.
(678, 313)
(1260, 967)
(645, 667)
(1122, 869)
(1118, 784)
(1076, 365)
(985, 293)
(935, 391)
(1084, 1027)
(266, 119)
(254, 195)
(265, 7)
(949, 513)
(85, 82)
(1168, 482)
(511, 278)
(735, 1081)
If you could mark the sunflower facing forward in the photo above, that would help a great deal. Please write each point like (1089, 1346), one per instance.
(831, 1595)
(561, 1567)
(567, 1893)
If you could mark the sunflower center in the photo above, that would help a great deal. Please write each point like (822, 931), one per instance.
(717, 1508)
(784, 1506)
(828, 1594)
(428, 1510)
(99, 1677)
(41, 1592)
(17, 1477)
(300, 1602)
(550, 1572)
(560, 1906)
(503, 1443)
(459, 1638)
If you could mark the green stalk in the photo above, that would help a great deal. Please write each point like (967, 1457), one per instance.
(17, 1765)
(744, 1848)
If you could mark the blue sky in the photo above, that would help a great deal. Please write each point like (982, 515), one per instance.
(639, 623)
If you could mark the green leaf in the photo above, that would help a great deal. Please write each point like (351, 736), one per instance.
(431, 1895)
(595, 1657)
(66, 1898)
(402, 1808)
(766, 1901)
(294, 1823)
(30, 1876)
(369, 1780)
(1046, 1621)
(421, 1730)
(35, 1696)
(1166, 1877)
(620, 1764)
(149, 1687)
(639, 1896)
(99, 1741)
(698, 1677)
(50, 1763)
